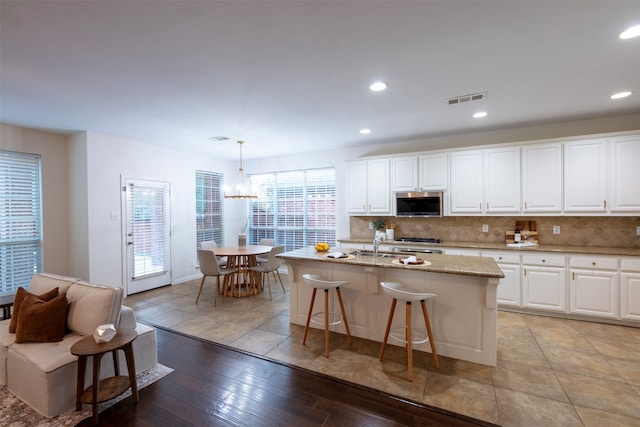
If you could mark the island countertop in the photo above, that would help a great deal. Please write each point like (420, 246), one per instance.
(434, 263)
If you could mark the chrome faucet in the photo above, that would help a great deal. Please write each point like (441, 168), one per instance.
(376, 242)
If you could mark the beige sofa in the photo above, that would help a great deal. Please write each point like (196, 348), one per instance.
(44, 374)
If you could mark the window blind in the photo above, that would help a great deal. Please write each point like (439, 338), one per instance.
(209, 203)
(296, 208)
(20, 220)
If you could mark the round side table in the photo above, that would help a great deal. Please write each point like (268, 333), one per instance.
(108, 388)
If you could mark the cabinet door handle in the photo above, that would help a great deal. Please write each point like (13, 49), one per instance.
(593, 263)
(573, 276)
(605, 204)
(544, 260)
(524, 272)
(525, 206)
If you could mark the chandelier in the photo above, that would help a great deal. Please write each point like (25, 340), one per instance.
(239, 184)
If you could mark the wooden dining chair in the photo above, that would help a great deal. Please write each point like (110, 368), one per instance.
(209, 267)
(270, 266)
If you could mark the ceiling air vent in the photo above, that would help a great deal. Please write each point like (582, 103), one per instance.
(467, 98)
(219, 138)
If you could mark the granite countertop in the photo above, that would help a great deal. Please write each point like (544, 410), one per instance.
(434, 263)
(588, 250)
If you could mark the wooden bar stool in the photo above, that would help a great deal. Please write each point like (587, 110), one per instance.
(319, 282)
(399, 292)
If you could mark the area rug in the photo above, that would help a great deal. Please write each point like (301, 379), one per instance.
(15, 413)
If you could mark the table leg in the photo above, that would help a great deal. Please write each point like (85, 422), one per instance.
(96, 386)
(131, 367)
(82, 366)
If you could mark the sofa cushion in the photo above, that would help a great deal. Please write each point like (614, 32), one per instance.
(17, 303)
(91, 306)
(42, 321)
(42, 282)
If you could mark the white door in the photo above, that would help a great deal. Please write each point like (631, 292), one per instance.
(147, 237)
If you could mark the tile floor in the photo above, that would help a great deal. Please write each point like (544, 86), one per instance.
(550, 372)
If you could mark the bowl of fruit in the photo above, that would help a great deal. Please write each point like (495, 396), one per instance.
(322, 247)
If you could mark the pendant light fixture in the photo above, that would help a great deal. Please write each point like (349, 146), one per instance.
(239, 184)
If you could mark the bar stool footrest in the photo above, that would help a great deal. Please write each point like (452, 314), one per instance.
(418, 336)
(318, 318)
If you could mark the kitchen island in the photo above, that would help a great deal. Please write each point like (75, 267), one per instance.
(463, 314)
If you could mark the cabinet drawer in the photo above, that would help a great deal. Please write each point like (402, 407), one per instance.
(500, 257)
(591, 262)
(630, 264)
(543, 259)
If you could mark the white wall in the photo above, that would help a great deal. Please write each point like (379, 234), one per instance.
(110, 159)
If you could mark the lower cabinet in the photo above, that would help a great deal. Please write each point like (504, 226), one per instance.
(509, 287)
(593, 286)
(630, 289)
(544, 282)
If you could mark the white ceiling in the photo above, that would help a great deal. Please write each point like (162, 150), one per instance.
(293, 76)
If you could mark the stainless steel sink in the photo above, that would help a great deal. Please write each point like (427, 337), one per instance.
(370, 253)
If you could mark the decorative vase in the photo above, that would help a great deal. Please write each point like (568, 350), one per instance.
(242, 240)
(390, 234)
(380, 235)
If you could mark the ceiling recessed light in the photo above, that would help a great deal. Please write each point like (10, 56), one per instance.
(365, 131)
(630, 33)
(480, 114)
(378, 86)
(620, 95)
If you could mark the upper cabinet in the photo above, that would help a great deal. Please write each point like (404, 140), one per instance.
(368, 189)
(427, 172)
(405, 173)
(625, 174)
(485, 181)
(542, 178)
(586, 176)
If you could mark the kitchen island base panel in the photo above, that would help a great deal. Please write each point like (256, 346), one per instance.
(463, 316)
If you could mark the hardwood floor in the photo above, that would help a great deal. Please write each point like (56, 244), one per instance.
(215, 385)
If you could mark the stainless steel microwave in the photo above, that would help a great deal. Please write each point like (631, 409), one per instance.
(418, 204)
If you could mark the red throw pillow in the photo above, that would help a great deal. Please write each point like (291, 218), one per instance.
(42, 321)
(17, 303)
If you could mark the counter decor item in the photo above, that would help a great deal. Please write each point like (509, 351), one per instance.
(390, 231)
(242, 237)
(526, 231)
(104, 333)
(322, 247)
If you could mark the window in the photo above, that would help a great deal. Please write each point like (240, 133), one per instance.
(20, 220)
(296, 208)
(209, 207)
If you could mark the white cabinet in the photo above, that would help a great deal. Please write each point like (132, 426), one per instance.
(466, 190)
(368, 188)
(509, 287)
(544, 282)
(502, 180)
(433, 172)
(593, 286)
(586, 176)
(542, 178)
(428, 172)
(630, 289)
(485, 181)
(625, 174)
(404, 173)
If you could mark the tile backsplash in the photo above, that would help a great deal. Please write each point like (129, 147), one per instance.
(604, 231)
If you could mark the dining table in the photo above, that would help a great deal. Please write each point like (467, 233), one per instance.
(244, 282)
